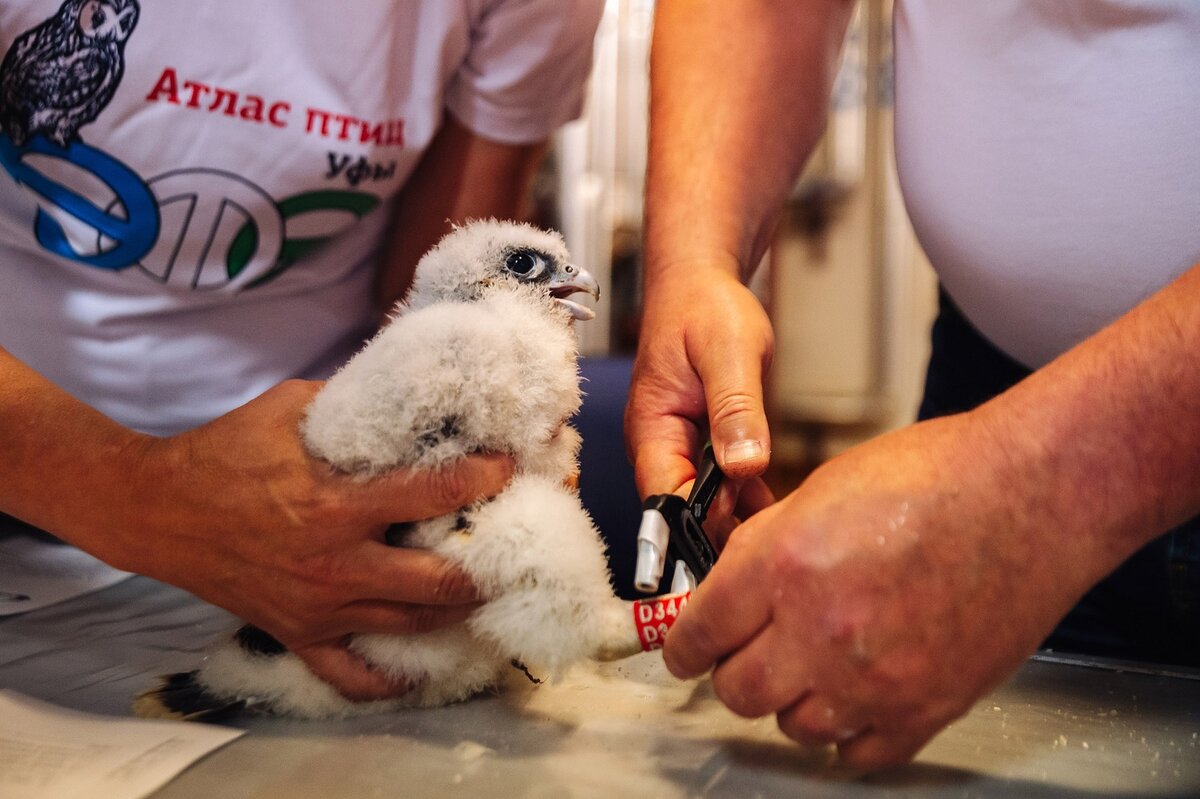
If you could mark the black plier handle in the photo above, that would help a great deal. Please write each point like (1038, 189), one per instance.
(680, 523)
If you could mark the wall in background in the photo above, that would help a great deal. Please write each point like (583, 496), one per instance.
(851, 294)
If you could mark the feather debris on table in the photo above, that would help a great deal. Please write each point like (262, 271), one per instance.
(481, 356)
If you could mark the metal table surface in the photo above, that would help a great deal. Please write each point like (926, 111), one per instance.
(624, 729)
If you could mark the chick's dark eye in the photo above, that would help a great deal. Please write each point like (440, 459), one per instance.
(521, 263)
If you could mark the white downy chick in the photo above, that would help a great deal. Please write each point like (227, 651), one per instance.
(480, 356)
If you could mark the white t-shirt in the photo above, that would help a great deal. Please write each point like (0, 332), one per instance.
(1049, 153)
(168, 170)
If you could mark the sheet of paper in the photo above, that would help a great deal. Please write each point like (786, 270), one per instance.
(48, 752)
(35, 573)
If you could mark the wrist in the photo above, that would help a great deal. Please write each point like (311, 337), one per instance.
(1060, 511)
(705, 278)
(688, 263)
(109, 517)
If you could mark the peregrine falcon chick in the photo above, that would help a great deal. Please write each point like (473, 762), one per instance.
(480, 356)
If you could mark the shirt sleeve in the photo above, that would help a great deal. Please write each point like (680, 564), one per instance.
(527, 68)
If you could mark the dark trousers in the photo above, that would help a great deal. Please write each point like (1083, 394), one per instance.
(1149, 608)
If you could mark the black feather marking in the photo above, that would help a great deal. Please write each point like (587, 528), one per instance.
(257, 641)
(394, 536)
(516, 664)
(450, 428)
(180, 695)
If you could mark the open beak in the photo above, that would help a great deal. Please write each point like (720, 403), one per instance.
(573, 280)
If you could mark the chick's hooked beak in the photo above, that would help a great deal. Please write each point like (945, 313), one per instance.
(572, 280)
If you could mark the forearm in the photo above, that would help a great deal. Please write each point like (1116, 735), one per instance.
(739, 92)
(66, 467)
(461, 176)
(1105, 440)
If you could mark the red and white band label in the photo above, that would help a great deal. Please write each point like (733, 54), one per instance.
(653, 617)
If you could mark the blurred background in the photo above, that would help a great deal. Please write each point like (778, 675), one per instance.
(849, 293)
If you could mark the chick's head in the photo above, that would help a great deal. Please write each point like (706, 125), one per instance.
(486, 256)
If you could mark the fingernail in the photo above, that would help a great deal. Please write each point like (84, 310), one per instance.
(744, 450)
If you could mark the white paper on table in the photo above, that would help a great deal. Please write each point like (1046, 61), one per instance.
(36, 573)
(49, 752)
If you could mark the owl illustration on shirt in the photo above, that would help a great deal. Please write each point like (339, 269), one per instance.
(59, 76)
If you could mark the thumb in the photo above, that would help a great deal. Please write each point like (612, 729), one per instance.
(737, 420)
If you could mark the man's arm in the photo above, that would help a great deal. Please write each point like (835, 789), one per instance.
(908, 576)
(239, 514)
(461, 176)
(739, 92)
